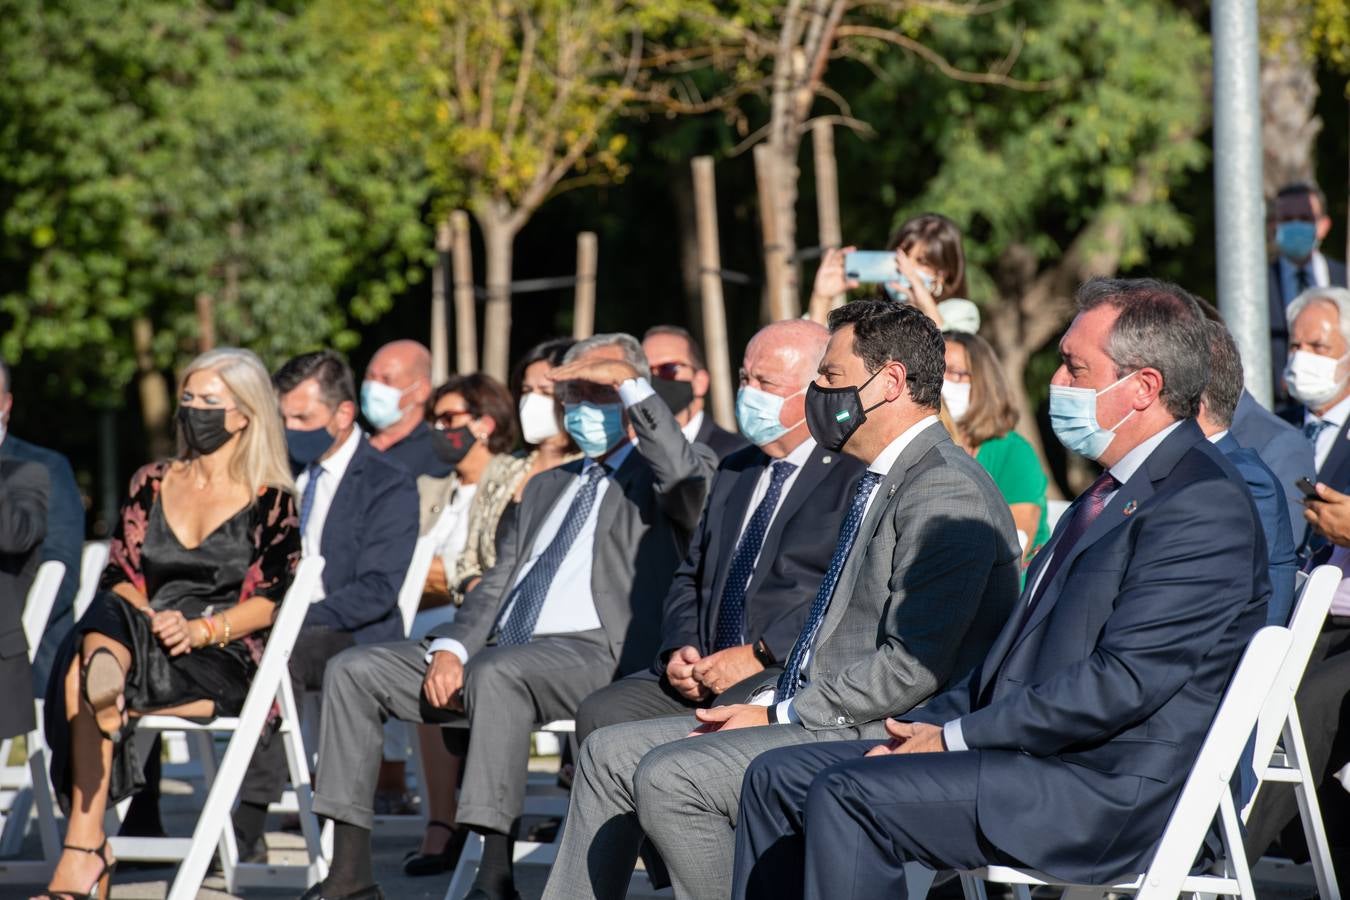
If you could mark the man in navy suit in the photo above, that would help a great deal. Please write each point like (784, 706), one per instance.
(1066, 748)
(1298, 225)
(739, 598)
(1281, 446)
(1216, 419)
(358, 510)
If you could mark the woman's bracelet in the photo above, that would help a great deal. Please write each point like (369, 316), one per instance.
(210, 630)
(225, 625)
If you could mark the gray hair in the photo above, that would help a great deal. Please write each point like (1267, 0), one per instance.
(1225, 375)
(632, 350)
(1159, 326)
(1338, 297)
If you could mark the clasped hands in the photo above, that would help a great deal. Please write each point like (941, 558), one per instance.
(177, 632)
(1329, 515)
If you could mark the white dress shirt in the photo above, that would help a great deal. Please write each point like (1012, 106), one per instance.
(690, 430)
(880, 466)
(1327, 439)
(329, 473)
(1123, 470)
(569, 606)
(450, 534)
(1318, 275)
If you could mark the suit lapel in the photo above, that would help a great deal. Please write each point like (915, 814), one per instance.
(886, 495)
(728, 531)
(341, 512)
(1338, 457)
(812, 474)
(625, 479)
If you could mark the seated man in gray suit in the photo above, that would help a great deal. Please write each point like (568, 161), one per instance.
(923, 576)
(573, 600)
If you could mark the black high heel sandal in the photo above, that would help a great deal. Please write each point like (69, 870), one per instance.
(417, 865)
(103, 684)
(98, 890)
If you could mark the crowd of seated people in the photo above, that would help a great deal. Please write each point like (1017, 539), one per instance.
(798, 656)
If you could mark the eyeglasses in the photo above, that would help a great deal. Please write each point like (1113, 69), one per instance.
(443, 419)
(670, 370)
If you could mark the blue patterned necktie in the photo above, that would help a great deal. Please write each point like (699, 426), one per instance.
(848, 532)
(1311, 430)
(731, 611)
(527, 600)
(307, 498)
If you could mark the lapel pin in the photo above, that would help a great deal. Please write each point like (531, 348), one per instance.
(826, 459)
(1130, 508)
(893, 489)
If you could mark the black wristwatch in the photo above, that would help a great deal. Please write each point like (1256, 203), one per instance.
(762, 654)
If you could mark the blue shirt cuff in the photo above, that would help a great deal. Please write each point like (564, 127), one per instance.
(447, 645)
(953, 736)
(634, 391)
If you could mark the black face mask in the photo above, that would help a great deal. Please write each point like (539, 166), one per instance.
(453, 445)
(833, 414)
(305, 447)
(676, 394)
(203, 430)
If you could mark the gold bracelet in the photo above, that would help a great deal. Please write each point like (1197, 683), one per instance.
(210, 631)
(225, 623)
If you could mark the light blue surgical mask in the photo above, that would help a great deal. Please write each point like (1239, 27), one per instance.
(381, 404)
(759, 415)
(1296, 240)
(1073, 417)
(596, 427)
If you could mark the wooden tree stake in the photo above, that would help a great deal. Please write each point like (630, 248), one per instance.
(466, 324)
(710, 280)
(827, 204)
(776, 302)
(440, 325)
(206, 322)
(583, 309)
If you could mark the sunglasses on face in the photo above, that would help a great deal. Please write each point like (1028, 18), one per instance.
(670, 371)
(444, 420)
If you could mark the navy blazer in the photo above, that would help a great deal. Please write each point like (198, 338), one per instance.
(367, 545)
(1089, 716)
(786, 578)
(1274, 513)
(64, 543)
(1282, 447)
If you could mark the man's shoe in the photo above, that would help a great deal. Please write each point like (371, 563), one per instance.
(366, 893)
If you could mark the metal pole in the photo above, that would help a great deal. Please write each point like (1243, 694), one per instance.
(1239, 206)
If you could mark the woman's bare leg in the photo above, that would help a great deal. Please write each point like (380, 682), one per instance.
(441, 768)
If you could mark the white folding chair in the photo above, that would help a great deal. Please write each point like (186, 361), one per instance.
(93, 560)
(1207, 793)
(525, 851)
(410, 594)
(28, 784)
(1279, 722)
(271, 684)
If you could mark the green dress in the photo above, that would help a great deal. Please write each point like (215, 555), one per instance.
(1013, 465)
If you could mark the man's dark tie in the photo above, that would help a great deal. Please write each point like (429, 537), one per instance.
(527, 600)
(731, 611)
(1301, 279)
(307, 497)
(787, 682)
(1311, 430)
(1084, 513)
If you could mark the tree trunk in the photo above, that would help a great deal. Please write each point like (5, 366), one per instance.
(440, 307)
(153, 389)
(686, 220)
(499, 235)
(1289, 125)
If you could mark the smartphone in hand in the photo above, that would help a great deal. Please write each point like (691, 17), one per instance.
(873, 267)
(1309, 489)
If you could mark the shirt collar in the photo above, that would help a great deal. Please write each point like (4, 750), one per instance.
(336, 465)
(1336, 415)
(1130, 462)
(801, 454)
(617, 458)
(887, 457)
(1218, 436)
(690, 430)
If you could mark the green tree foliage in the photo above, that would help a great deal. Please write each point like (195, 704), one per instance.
(153, 151)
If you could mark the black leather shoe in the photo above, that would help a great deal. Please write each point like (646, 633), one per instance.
(418, 865)
(366, 893)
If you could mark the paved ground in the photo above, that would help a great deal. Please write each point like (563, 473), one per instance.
(180, 804)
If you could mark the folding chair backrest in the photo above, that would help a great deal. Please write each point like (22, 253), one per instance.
(1208, 782)
(1310, 613)
(286, 628)
(410, 595)
(93, 560)
(37, 608)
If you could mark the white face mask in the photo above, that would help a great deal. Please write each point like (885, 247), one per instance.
(956, 394)
(1313, 380)
(538, 421)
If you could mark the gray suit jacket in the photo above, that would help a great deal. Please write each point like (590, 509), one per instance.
(646, 518)
(932, 578)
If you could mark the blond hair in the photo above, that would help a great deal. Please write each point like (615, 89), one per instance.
(260, 460)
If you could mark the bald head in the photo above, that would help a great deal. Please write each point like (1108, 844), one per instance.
(795, 344)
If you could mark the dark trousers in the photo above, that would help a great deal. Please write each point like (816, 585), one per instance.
(267, 772)
(819, 821)
(1323, 701)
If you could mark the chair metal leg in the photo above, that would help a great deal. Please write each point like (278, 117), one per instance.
(1309, 810)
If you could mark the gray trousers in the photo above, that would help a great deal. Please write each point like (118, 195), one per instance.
(643, 696)
(507, 692)
(645, 777)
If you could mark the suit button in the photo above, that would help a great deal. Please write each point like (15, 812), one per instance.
(840, 721)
